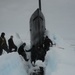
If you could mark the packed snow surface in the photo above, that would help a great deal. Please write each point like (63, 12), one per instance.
(59, 60)
(12, 64)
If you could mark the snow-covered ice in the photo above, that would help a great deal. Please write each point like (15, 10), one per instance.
(59, 60)
(12, 64)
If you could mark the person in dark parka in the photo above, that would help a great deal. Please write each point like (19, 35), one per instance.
(22, 52)
(47, 43)
(3, 44)
(11, 44)
(33, 53)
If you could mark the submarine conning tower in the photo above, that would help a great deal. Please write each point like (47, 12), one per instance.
(37, 26)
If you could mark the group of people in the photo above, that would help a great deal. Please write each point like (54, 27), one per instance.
(11, 47)
(3, 44)
(38, 52)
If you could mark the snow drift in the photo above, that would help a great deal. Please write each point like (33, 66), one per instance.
(12, 64)
(60, 59)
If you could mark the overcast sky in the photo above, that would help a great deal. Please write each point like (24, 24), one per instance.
(59, 16)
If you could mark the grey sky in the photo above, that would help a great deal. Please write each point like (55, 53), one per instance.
(59, 16)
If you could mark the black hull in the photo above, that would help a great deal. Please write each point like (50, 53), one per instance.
(37, 28)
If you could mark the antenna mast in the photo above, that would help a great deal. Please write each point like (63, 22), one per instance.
(40, 5)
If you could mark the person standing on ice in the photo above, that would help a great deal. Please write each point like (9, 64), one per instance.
(11, 44)
(33, 53)
(3, 44)
(22, 52)
(47, 43)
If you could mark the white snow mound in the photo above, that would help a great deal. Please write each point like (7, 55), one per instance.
(11, 64)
